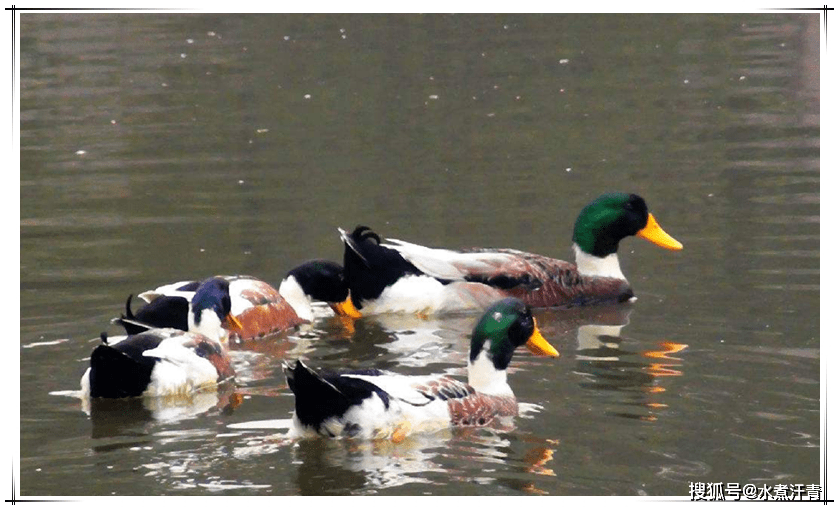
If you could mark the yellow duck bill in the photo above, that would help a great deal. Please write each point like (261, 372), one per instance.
(656, 235)
(538, 345)
(346, 309)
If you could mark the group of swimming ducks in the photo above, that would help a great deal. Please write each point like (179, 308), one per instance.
(177, 343)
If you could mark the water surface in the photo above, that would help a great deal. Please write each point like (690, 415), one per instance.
(161, 147)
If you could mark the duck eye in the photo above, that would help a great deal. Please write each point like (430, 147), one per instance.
(526, 325)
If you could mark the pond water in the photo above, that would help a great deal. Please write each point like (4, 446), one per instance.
(163, 147)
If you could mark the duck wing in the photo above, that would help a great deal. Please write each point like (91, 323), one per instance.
(497, 267)
(184, 289)
(451, 265)
(322, 394)
(260, 308)
(537, 280)
(251, 291)
(183, 349)
(466, 407)
(417, 390)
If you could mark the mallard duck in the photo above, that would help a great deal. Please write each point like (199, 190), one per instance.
(167, 361)
(260, 309)
(398, 276)
(317, 280)
(257, 305)
(380, 404)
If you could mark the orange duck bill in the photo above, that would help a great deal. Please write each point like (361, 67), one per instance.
(656, 235)
(345, 309)
(538, 345)
(233, 323)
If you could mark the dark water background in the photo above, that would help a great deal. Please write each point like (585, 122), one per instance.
(160, 147)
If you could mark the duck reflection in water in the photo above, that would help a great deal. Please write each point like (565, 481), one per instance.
(327, 467)
(132, 416)
(405, 341)
(635, 378)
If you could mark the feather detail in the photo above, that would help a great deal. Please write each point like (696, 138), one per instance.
(163, 312)
(480, 409)
(542, 281)
(444, 388)
(537, 280)
(361, 233)
(184, 289)
(416, 390)
(246, 291)
(266, 319)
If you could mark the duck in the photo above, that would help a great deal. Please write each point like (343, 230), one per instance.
(401, 277)
(380, 404)
(167, 361)
(261, 309)
(317, 280)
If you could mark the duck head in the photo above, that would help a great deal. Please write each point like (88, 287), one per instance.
(318, 280)
(505, 326)
(604, 222)
(210, 310)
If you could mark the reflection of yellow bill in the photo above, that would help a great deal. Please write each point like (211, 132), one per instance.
(349, 325)
(656, 235)
(538, 345)
(669, 348)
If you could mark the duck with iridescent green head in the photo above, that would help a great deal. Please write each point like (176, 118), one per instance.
(396, 276)
(379, 404)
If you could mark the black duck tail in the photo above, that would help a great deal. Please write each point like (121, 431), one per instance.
(369, 266)
(319, 397)
(115, 374)
(362, 240)
(163, 312)
(128, 321)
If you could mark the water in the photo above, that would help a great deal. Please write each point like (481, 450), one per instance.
(160, 147)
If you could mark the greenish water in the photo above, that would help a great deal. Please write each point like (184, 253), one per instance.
(161, 147)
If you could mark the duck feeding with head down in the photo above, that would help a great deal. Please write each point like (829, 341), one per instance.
(374, 404)
(260, 309)
(165, 361)
(317, 280)
(397, 276)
